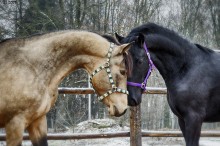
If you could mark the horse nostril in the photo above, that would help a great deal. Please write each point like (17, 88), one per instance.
(123, 72)
(117, 114)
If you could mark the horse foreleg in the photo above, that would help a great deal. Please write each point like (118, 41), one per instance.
(182, 126)
(14, 131)
(193, 126)
(38, 132)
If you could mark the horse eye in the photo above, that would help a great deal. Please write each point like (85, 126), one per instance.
(123, 72)
(139, 61)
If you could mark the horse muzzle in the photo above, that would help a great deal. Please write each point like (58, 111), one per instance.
(117, 112)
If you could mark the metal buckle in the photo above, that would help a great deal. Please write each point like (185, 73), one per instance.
(143, 85)
(107, 64)
(114, 88)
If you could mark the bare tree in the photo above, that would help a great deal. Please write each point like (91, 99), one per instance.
(214, 7)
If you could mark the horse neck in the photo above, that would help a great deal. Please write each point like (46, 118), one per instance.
(176, 59)
(63, 53)
(167, 55)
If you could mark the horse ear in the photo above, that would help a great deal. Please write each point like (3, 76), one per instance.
(141, 38)
(124, 48)
(118, 37)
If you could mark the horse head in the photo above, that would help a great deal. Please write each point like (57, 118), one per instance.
(138, 73)
(110, 85)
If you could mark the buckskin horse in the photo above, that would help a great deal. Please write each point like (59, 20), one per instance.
(32, 68)
(191, 73)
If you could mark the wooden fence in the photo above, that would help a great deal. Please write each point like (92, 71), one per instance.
(63, 136)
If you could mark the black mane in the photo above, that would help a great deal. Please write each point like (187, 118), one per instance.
(110, 39)
(205, 49)
(5, 40)
(152, 28)
(26, 37)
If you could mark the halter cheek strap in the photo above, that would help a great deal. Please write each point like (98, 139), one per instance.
(151, 67)
(106, 67)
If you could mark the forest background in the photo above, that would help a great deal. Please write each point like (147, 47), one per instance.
(195, 20)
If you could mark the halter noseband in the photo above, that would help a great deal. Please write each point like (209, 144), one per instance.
(151, 67)
(106, 66)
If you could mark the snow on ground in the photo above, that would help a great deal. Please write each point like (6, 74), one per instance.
(209, 141)
(109, 125)
(99, 126)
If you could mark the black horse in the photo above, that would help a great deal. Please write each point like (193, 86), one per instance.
(191, 73)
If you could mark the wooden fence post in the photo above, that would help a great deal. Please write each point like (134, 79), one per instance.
(135, 126)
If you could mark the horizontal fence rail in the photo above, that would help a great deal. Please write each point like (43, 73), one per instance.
(66, 90)
(77, 136)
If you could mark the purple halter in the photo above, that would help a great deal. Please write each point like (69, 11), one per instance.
(151, 67)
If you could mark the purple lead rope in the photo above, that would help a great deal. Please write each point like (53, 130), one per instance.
(151, 67)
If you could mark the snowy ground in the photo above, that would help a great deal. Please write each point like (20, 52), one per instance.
(126, 142)
(102, 126)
